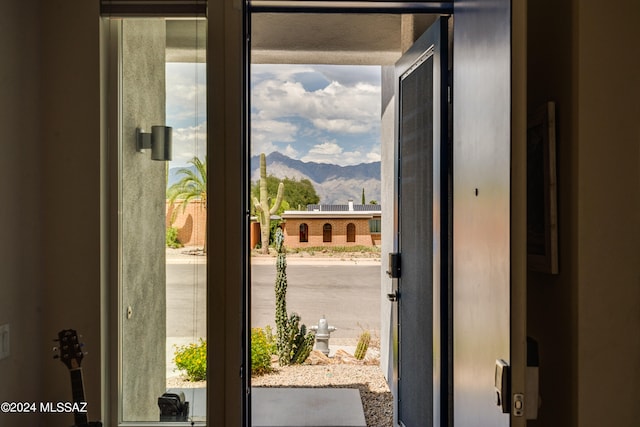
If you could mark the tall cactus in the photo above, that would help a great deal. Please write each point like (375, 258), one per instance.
(282, 322)
(263, 210)
(294, 343)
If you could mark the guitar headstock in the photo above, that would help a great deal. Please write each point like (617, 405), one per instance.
(69, 348)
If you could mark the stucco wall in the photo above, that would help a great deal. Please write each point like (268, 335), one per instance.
(191, 222)
(143, 204)
(552, 299)
(608, 212)
(581, 57)
(20, 246)
(70, 145)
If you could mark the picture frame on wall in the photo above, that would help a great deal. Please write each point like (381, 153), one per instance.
(542, 210)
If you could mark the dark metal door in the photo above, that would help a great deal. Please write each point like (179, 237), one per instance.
(422, 133)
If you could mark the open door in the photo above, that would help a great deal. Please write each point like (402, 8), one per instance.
(460, 292)
(488, 310)
(421, 288)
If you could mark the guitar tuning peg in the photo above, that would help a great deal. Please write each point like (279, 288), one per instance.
(54, 349)
(56, 340)
(55, 356)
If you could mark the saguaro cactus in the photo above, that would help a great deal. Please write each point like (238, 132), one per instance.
(263, 210)
(294, 343)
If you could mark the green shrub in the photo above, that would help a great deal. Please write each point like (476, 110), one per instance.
(262, 347)
(172, 238)
(192, 358)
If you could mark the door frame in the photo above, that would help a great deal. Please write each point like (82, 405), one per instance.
(227, 260)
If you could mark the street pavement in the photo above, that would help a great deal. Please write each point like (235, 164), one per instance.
(347, 294)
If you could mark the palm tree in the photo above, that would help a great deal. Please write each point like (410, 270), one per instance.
(192, 185)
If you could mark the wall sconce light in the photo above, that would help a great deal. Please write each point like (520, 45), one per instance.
(159, 140)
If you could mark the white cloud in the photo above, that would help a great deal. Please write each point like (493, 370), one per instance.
(186, 93)
(326, 148)
(265, 133)
(331, 152)
(281, 72)
(336, 108)
(373, 157)
(290, 152)
(188, 143)
(343, 125)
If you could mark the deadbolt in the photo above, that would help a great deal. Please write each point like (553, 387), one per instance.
(393, 297)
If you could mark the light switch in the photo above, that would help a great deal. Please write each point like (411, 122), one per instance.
(5, 340)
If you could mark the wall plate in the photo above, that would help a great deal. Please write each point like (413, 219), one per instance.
(5, 341)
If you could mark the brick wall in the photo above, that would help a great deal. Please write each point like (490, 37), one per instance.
(191, 223)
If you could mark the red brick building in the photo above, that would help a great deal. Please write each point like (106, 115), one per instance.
(333, 225)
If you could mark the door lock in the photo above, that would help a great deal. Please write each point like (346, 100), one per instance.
(502, 383)
(393, 270)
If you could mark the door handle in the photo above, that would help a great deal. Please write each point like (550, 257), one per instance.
(393, 270)
(393, 297)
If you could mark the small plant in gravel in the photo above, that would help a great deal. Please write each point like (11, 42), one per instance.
(192, 359)
(262, 347)
(363, 345)
(294, 342)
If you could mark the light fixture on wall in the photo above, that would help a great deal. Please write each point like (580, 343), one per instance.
(159, 140)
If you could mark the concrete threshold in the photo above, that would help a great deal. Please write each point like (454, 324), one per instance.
(291, 407)
(306, 407)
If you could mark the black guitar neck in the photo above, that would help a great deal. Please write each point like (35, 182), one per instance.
(70, 353)
(77, 392)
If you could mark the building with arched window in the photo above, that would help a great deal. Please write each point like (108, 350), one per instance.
(333, 225)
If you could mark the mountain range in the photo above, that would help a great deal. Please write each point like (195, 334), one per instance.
(334, 184)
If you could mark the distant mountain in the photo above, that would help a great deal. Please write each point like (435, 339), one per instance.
(334, 184)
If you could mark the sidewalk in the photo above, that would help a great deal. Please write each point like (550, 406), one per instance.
(183, 256)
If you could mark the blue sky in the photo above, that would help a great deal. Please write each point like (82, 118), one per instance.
(186, 109)
(320, 113)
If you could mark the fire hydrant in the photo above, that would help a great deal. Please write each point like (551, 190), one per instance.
(322, 335)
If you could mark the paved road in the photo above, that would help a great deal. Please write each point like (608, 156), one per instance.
(186, 300)
(348, 295)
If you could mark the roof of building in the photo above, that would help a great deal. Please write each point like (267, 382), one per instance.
(336, 211)
(343, 208)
